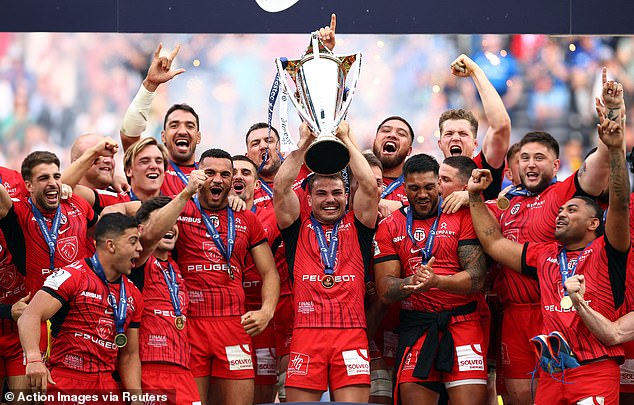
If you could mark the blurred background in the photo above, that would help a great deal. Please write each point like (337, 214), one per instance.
(56, 86)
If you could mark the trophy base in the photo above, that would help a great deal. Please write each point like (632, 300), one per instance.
(327, 157)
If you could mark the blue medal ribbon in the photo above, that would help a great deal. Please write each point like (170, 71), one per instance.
(172, 286)
(215, 235)
(49, 237)
(119, 309)
(133, 196)
(327, 251)
(563, 266)
(275, 89)
(267, 189)
(179, 173)
(429, 244)
(521, 191)
(393, 186)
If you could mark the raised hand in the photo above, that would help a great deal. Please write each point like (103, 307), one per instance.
(576, 287)
(479, 181)
(327, 34)
(160, 69)
(463, 66)
(612, 93)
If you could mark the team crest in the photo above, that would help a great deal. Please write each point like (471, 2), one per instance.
(63, 220)
(515, 209)
(104, 329)
(214, 220)
(419, 234)
(131, 304)
(7, 277)
(67, 248)
(211, 252)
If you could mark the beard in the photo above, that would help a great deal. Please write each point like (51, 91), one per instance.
(389, 162)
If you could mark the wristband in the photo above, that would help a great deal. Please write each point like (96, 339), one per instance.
(34, 361)
(136, 116)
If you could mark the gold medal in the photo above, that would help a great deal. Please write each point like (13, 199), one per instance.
(179, 321)
(503, 203)
(120, 340)
(566, 302)
(328, 281)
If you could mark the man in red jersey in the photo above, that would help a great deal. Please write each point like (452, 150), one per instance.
(529, 217)
(328, 258)
(274, 342)
(95, 312)
(212, 249)
(13, 298)
(459, 128)
(181, 125)
(144, 163)
(440, 315)
(53, 231)
(578, 249)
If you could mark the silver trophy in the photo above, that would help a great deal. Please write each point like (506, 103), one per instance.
(322, 101)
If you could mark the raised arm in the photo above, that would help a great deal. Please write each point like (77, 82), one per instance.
(163, 219)
(254, 322)
(617, 223)
(285, 201)
(595, 171)
(366, 199)
(608, 332)
(136, 116)
(497, 138)
(107, 147)
(502, 250)
(5, 202)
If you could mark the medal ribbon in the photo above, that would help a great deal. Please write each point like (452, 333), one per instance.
(327, 251)
(172, 286)
(179, 172)
(520, 190)
(49, 237)
(275, 89)
(393, 186)
(267, 189)
(563, 266)
(429, 244)
(133, 196)
(119, 309)
(215, 235)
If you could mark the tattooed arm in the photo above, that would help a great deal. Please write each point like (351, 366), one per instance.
(617, 224)
(391, 287)
(472, 261)
(502, 250)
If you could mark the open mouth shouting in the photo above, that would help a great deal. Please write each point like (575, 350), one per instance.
(238, 186)
(455, 150)
(389, 148)
(169, 235)
(51, 195)
(182, 145)
(216, 192)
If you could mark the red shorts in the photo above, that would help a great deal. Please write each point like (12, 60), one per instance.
(520, 323)
(11, 355)
(174, 382)
(96, 388)
(627, 368)
(469, 357)
(220, 348)
(283, 325)
(594, 383)
(264, 358)
(328, 357)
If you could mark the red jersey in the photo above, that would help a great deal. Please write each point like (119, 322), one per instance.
(211, 292)
(398, 194)
(84, 328)
(159, 340)
(529, 219)
(263, 195)
(172, 184)
(341, 306)
(72, 241)
(252, 281)
(105, 198)
(453, 231)
(12, 286)
(604, 271)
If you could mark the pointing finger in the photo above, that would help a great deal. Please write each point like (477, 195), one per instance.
(333, 22)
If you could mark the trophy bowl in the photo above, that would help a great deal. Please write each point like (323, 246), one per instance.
(322, 101)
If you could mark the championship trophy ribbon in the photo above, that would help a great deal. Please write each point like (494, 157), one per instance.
(322, 100)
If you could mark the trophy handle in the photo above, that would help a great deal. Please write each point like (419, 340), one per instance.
(344, 109)
(300, 109)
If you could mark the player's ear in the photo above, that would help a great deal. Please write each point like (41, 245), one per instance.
(111, 247)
